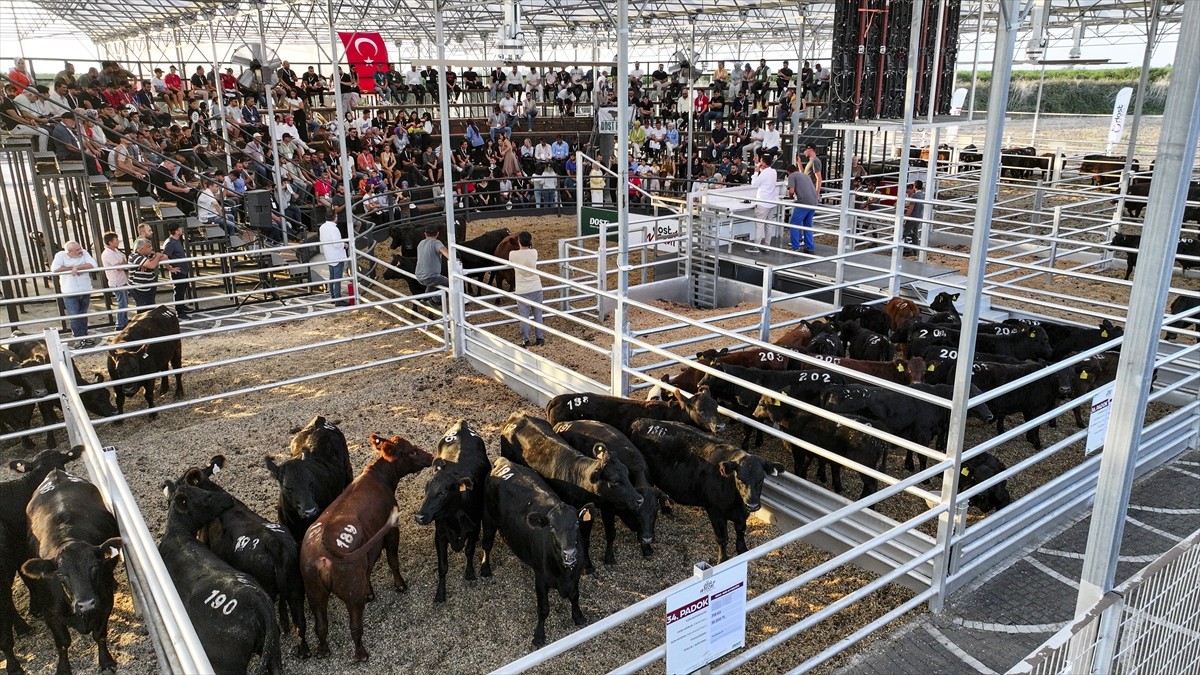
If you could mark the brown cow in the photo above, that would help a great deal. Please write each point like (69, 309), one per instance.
(796, 338)
(900, 371)
(1105, 169)
(344, 543)
(756, 357)
(901, 311)
(506, 246)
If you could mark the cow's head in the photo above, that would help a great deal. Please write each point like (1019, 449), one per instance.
(944, 302)
(1109, 331)
(445, 492)
(978, 470)
(201, 476)
(748, 473)
(980, 411)
(702, 409)
(397, 450)
(609, 479)
(99, 401)
(458, 439)
(297, 487)
(38, 383)
(318, 436)
(561, 528)
(1037, 335)
(644, 519)
(189, 508)
(124, 364)
(46, 461)
(82, 570)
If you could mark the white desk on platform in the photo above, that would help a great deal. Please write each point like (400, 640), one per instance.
(733, 209)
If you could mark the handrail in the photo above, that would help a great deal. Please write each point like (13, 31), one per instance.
(178, 647)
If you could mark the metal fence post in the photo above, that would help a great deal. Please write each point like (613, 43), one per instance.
(620, 356)
(764, 324)
(1054, 234)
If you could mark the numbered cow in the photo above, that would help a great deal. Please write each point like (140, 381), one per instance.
(342, 546)
(254, 545)
(233, 616)
(699, 410)
(316, 473)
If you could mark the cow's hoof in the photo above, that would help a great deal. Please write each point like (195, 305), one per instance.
(152, 416)
(109, 667)
(323, 652)
(361, 656)
(469, 575)
(439, 597)
(402, 586)
(539, 642)
(485, 571)
(610, 560)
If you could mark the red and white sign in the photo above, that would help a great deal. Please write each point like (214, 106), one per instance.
(707, 620)
(366, 53)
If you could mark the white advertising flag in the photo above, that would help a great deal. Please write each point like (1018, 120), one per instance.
(1120, 110)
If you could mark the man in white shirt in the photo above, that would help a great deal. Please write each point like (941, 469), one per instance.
(771, 141)
(636, 75)
(416, 85)
(210, 210)
(114, 262)
(528, 285)
(72, 264)
(542, 152)
(756, 142)
(765, 182)
(533, 83)
(508, 105)
(333, 247)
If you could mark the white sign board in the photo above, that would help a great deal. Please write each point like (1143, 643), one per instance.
(606, 120)
(1120, 112)
(706, 621)
(1098, 421)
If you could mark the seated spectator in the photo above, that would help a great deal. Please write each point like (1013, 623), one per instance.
(498, 122)
(821, 87)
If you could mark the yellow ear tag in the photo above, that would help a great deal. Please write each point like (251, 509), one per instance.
(462, 488)
(1033, 335)
(1104, 333)
(587, 516)
(1083, 375)
(929, 368)
(900, 367)
(966, 471)
(776, 401)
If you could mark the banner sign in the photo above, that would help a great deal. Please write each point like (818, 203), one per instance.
(1120, 110)
(592, 219)
(1098, 421)
(706, 621)
(365, 52)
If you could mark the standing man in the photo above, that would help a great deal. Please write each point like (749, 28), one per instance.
(812, 167)
(113, 259)
(72, 264)
(764, 181)
(333, 247)
(143, 278)
(181, 270)
(429, 268)
(529, 286)
(801, 190)
(914, 215)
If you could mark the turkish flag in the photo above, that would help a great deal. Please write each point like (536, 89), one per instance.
(366, 52)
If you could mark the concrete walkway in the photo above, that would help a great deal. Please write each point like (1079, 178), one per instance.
(994, 623)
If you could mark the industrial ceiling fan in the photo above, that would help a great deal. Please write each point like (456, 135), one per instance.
(260, 65)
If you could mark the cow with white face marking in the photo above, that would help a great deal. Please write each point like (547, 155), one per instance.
(695, 469)
(254, 545)
(541, 530)
(233, 616)
(76, 545)
(454, 499)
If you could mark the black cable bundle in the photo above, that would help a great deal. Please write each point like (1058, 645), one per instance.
(845, 57)
(896, 69)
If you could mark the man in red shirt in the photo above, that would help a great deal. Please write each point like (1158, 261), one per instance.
(174, 95)
(229, 85)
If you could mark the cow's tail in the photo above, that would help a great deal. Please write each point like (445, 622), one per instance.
(271, 658)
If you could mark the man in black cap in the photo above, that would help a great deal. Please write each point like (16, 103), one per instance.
(67, 146)
(429, 268)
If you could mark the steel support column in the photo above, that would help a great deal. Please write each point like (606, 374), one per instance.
(1164, 211)
(277, 175)
(1006, 42)
(347, 167)
(216, 75)
(1138, 101)
(620, 355)
(910, 112)
(454, 299)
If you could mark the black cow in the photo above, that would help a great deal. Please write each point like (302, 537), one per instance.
(1180, 305)
(1091, 374)
(233, 616)
(1066, 339)
(454, 499)
(700, 410)
(923, 336)
(870, 317)
(16, 385)
(944, 353)
(864, 344)
(76, 543)
(601, 479)
(910, 418)
(143, 363)
(587, 437)
(14, 536)
(1031, 400)
(807, 385)
(943, 302)
(484, 243)
(969, 158)
(826, 343)
(1135, 196)
(979, 469)
(695, 469)
(541, 530)
(1027, 343)
(315, 474)
(1018, 162)
(1186, 246)
(33, 353)
(12, 387)
(254, 545)
(408, 264)
(838, 438)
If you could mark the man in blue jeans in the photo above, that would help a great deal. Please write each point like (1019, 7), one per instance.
(333, 246)
(804, 193)
(75, 281)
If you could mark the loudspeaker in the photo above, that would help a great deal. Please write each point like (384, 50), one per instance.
(162, 228)
(258, 208)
